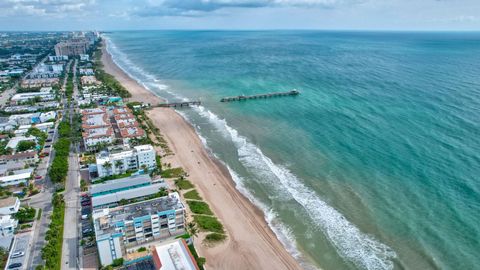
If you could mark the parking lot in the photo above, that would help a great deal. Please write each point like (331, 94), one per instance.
(21, 244)
(90, 257)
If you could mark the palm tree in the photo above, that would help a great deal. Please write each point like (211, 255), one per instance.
(119, 164)
(107, 165)
(192, 229)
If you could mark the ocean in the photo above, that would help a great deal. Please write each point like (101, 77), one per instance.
(375, 165)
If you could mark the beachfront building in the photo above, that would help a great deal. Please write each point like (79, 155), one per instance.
(89, 80)
(113, 163)
(127, 124)
(124, 227)
(110, 193)
(173, 254)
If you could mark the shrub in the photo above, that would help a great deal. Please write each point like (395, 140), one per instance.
(26, 214)
(193, 195)
(183, 184)
(207, 223)
(199, 208)
(173, 173)
(215, 237)
(25, 145)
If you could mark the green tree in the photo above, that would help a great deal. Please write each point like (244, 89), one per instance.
(192, 230)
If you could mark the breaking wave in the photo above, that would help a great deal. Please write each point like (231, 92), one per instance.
(352, 244)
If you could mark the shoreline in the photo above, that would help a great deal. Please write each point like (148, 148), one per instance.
(251, 243)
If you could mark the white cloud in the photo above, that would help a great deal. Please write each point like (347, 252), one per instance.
(57, 8)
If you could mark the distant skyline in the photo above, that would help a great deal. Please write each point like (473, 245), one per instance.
(108, 15)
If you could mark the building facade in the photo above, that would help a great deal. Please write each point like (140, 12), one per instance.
(124, 227)
(139, 157)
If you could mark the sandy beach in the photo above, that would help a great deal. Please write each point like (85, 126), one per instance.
(251, 243)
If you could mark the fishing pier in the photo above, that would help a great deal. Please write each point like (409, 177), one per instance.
(259, 96)
(178, 104)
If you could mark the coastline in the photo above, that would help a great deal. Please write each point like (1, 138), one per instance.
(251, 244)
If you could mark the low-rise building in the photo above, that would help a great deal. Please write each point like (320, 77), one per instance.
(142, 156)
(14, 141)
(122, 184)
(25, 97)
(123, 227)
(24, 158)
(39, 82)
(173, 254)
(84, 57)
(89, 80)
(9, 206)
(7, 225)
(97, 127)
(15, 179)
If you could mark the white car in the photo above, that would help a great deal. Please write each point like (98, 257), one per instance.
(17, 254)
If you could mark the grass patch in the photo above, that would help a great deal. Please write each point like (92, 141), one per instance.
(200, 208)
(172, 173)
(207, 223)
(215, 237)
(39, 215)
(200, 260)
(183, 184)
(192, 195)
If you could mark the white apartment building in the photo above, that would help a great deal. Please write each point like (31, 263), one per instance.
(125, 227)
(7, 225)
(117, 163)
(9, 206)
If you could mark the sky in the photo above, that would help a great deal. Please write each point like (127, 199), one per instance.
(108, 15)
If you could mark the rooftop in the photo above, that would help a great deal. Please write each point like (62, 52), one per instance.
(105, 219)
(8, 202)
(98, 132)
(133, 193)
(174, 254)
(130, 132)
(120, 183)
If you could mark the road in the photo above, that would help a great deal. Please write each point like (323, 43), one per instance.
(43, 201)
(72, 192)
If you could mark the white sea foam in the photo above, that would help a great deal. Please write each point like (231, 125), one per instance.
(363, 250)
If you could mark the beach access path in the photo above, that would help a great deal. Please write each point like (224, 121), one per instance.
(251, 244)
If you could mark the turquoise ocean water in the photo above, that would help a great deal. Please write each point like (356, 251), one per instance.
(376, 165)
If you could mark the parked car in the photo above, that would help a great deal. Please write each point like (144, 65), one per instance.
(38, 177)
(17, 254)
(86, 211)
(84, 217)
(14, 265)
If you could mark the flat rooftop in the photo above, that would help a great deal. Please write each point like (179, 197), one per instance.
(120, 183)
(105, 219)
(129, 194)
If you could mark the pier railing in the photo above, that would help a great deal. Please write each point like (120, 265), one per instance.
(178, 104)
(259, 96)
